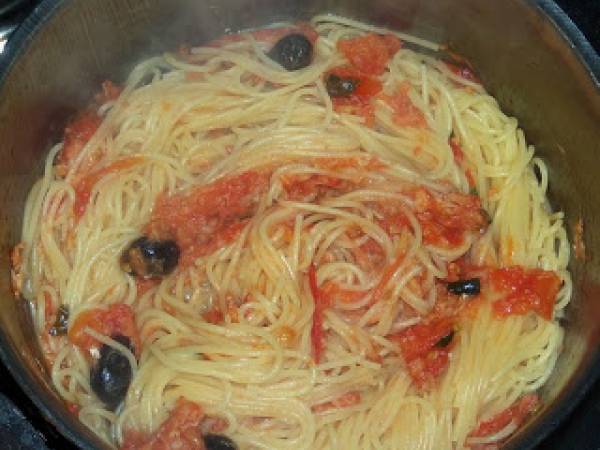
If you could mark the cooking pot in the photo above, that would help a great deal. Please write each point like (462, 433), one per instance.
(528, 54)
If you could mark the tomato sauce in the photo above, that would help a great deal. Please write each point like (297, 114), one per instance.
(425, 359)
(517, 413)
(525, 290)
(313, 187)
(77, 135)
(406, 114)
(205, 218)
(83, 187)
(181, 431)
(446, 218)
(370, 53)
(116, 319)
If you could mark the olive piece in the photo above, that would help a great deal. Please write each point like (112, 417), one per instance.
(293, 52)
(445, 341)
(148, 258)
(472, 286)
(61, 324)
(340, 87)
(111, 375)
(218, 442)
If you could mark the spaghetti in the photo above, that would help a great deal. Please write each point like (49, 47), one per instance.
(306, 236)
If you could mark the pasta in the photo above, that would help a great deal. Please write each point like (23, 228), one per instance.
(353, 253)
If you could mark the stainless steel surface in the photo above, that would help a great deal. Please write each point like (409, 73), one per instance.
(56, 61)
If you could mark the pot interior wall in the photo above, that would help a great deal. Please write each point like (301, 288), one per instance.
(522, 60)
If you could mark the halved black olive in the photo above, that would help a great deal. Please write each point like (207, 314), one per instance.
(61, 324)
(445, 341)
(340, 87)
(472, 286)
(218, 442)
(148, 258)
(293, 52)
(111, 375)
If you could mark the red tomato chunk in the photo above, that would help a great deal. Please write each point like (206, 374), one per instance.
(116, 319)
(370, 53)
(517, 413)
(205, 218)
(525, 290)
(418, 346)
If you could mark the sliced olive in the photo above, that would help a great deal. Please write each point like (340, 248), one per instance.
(445, 341)
(218, 442)
(293, 52)
(472, 286)
(111, 375)
(61, 324)
(148, 258)
(340, 87)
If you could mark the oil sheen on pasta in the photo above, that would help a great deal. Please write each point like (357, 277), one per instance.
(362, 255)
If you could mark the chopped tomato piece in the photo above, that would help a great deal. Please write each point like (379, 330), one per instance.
(313, 187)
(345, 401)
(418, 340)
(369, 53)
(517, 413)
(205, 218)
(181, 431)
(77, 134)
(406, 114)
(463, 71)
(116, 319)
(317, 333)
(84, 186)
(420, 347)
(445, 218)
(525, 290)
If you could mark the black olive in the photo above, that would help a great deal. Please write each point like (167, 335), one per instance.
(61, 324)
(445, 341)
(471, 286)
(218, 442)
(111, 375)
(340, 87)
(293, 52)
(148, 258)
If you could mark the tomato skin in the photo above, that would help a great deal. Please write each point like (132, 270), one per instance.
(518, 412)
(205, 218)
(525, 290)
(369, 53)
(181, 431)
(116, 319)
